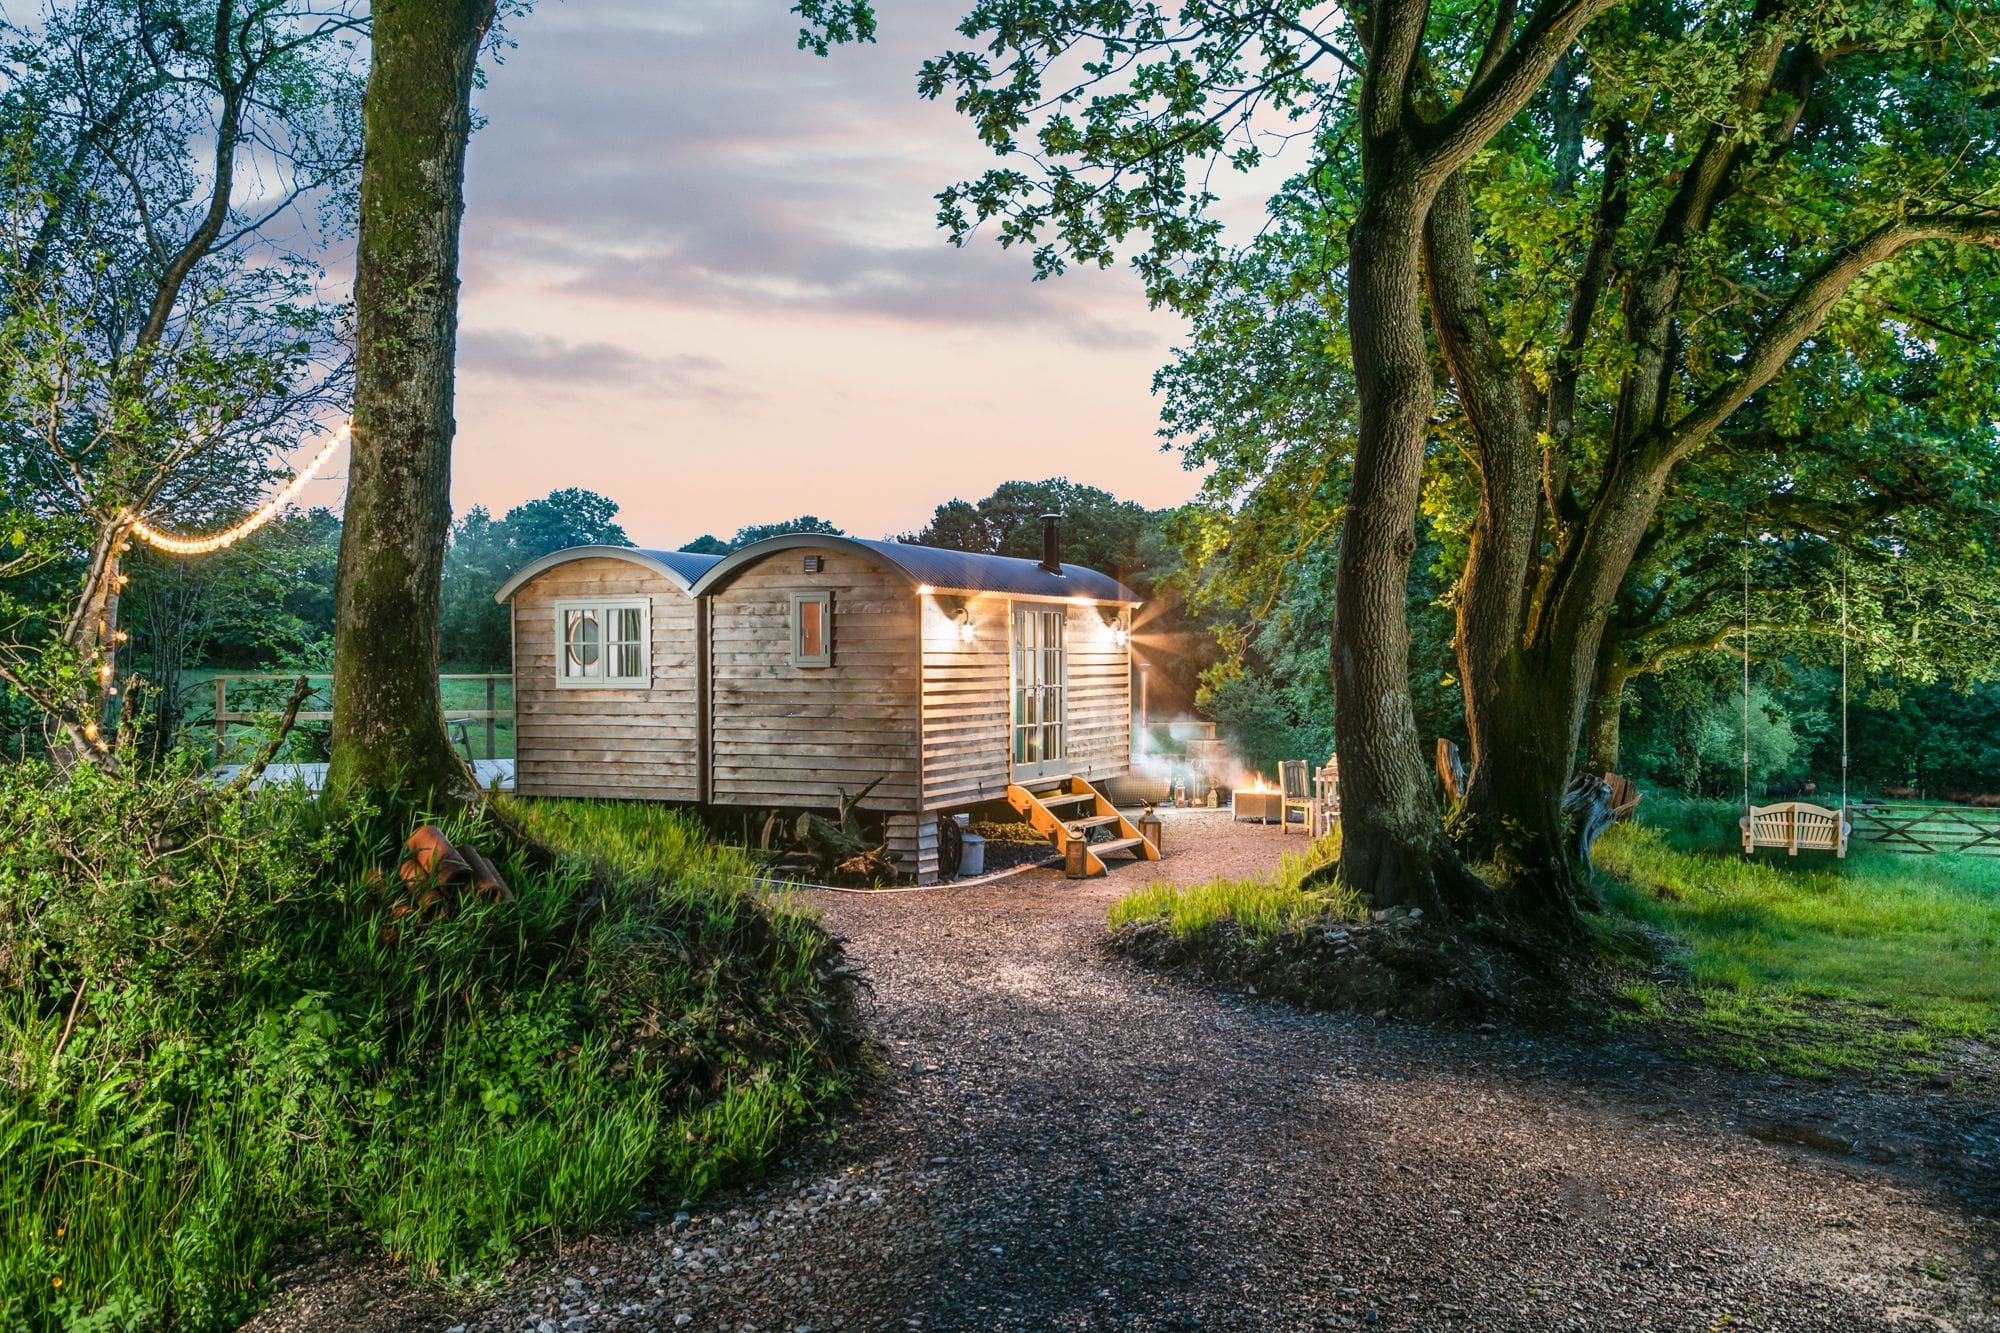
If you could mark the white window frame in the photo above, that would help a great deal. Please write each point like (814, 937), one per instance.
(799, 657)
(604, 608)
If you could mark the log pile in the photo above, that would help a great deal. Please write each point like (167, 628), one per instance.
(432, 880)
(840, 849)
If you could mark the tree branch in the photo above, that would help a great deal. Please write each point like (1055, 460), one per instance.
(229, 129)
(1807, 308)
(301, 691)
(1510, 81)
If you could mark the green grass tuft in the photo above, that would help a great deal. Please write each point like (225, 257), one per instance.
(1261, 906)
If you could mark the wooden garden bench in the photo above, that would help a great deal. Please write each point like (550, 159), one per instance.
(1795, 825)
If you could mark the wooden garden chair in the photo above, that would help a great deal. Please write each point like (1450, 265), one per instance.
(1295, 790)
(1326, 798)
(1625, 796)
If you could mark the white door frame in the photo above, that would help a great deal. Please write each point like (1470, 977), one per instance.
(1027, 742)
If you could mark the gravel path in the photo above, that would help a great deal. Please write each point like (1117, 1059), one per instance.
(1065, 1142)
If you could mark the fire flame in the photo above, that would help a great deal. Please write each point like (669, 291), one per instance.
(1258, 787)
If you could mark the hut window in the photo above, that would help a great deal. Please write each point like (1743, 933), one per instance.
(603, 643)
(812, 629)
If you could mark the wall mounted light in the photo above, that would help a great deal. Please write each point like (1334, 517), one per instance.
(1121, 636)
(965, 634)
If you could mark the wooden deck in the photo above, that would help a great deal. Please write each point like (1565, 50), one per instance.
(313, 776)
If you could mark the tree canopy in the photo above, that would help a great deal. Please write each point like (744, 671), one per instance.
(164, 343)
(1700, 283)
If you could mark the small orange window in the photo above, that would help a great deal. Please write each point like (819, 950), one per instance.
(812, 629)
(811, 640)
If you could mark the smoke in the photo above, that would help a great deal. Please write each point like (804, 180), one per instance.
(1185, 750)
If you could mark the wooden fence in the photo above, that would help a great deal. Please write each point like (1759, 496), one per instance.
(1927, 829)
(319, 706)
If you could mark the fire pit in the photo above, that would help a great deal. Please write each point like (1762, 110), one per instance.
(1257, 802)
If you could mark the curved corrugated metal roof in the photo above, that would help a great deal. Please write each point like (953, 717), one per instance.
(935, 568)
(681, 568)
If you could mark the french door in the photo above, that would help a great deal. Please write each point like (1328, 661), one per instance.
(1041, 692)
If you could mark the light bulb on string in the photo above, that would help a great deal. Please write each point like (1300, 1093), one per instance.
(172, 545)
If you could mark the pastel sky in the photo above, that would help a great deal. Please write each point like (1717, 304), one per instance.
(701, 276)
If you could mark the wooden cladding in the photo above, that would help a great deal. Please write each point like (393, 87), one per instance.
(614, 739)
(807, 733)
(967, 695)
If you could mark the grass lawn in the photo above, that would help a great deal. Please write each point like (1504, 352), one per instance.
(1261, 907)
(1881, 965)
(1878, 964)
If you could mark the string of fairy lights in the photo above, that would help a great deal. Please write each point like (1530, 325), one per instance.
(171, 544)
(216, 541)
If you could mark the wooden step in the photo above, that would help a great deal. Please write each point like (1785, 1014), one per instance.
(1094, 821)
(1042, 805)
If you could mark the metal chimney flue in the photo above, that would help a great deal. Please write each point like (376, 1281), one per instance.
(1052, 543)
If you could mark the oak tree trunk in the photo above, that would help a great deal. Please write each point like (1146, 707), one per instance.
(1529, 718)
(1393, 847)
(1605, 717)
(388, 721)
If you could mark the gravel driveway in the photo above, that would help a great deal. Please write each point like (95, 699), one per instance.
(1065, 1142)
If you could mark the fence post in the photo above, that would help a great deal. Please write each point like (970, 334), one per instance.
(221, 724)
(492, 722)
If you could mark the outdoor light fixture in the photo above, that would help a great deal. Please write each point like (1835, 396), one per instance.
(964, 625)
(1121, 636)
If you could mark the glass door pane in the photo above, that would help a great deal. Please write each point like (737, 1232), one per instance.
(1040, 666)
(582, 645)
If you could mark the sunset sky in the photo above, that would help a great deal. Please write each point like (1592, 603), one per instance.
(701, 276)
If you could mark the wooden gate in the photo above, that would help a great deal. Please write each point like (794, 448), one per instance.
(1927, 829)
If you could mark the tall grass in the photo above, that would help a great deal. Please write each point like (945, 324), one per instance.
(1261, 906)
(1812, 963)
(211, 1044)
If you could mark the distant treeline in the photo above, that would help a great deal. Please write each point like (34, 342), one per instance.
(1260, 672)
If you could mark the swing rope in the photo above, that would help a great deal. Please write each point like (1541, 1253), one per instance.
(1844, 730)
(1746, 663)
(1792, 826)
(1843, 684)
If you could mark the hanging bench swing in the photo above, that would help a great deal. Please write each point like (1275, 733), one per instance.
(1794, 825)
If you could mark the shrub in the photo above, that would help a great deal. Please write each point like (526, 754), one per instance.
(214, 1046)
